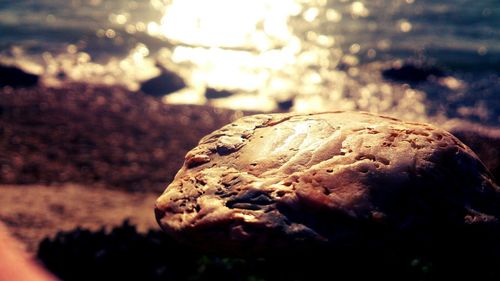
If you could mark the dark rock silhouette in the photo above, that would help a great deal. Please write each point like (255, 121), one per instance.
(16, 78)
(411, 73)
(165, 83)
(212, 93)
(285, 105)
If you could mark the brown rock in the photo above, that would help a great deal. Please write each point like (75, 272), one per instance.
(291, 180)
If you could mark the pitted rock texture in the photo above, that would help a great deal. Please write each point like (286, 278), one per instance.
(282, 180)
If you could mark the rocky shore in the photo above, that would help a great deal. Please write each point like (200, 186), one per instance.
(98, 135)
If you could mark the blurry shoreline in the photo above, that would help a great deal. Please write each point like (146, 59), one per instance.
(88, 134)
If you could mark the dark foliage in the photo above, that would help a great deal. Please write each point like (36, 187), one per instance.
(124, 254)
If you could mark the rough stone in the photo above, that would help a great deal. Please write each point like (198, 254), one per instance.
(287, 181)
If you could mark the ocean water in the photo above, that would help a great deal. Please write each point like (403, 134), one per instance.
(307, 55)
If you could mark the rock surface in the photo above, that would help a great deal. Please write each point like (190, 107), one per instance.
(288, 180)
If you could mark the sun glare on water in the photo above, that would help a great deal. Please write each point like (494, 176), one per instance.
(239, 24)
(247, 47)
(274, 53)
(260, 55)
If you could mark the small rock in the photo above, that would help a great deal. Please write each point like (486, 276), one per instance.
(212, 93)
(285, 105)
(411, 73)
(167, 82)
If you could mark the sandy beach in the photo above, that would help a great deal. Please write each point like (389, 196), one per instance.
(34, 212)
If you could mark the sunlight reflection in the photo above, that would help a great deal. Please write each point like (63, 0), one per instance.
(78, 66)
(249, 46)
(263, 54)
(358, 9)
(286, 55)
(228, 23)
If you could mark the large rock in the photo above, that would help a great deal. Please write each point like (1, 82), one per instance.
(284, 181)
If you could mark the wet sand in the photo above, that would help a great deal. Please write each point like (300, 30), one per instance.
(34, 212)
